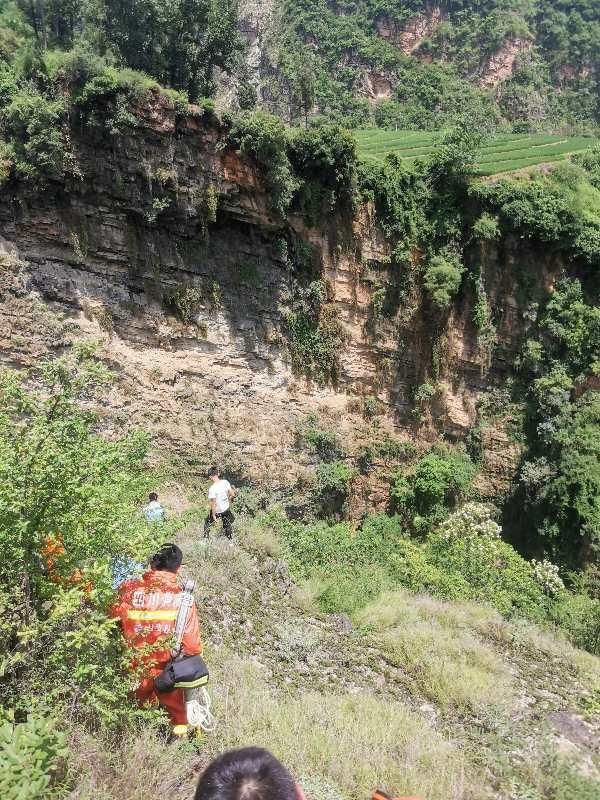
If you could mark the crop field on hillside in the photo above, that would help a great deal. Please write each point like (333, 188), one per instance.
(504, 153)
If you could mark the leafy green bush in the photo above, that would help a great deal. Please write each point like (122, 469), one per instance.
(573, 328)
(32, 755)
(561, 208)
(109, 82)
(388, 449)
(401, 193)
(92, 79)
(547, 575)
(437, 482)
(250, 501)
(325, 160)
(6, 162)
(371, 407)
(411, 567)
(314, 547)
(378, 302)
(531, 207)
(324, 443)
(378, 536)
(579, 615)
(105, 96)
(559, 478)
(442, 278)
(486, 227)
(323, 546)
(33, 124)
(482, 312)
(332, 486)
(468, 544)
(315, 334)
(187, 300)
(424, 392)
(263, 137)
(64, 487)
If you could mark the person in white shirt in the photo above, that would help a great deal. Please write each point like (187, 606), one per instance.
(220, 495)
(154, 512)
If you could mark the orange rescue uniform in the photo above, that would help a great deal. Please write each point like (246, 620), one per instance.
(147, 608)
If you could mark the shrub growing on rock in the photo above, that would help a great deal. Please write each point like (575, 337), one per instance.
(435, 485)
(442, 278)
(332, 486)
(263, 137)
(33, 124)
(323, 442)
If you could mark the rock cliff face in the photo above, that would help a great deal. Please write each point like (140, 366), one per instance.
(409, 36)
(256, 28)
(167, 253)
(501, 64)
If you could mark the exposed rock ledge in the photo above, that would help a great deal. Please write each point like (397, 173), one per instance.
(409, 36)
(97, 258)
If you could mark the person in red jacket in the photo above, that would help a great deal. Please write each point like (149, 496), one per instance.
(147, 608)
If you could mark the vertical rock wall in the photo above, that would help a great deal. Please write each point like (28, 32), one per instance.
(166, 215)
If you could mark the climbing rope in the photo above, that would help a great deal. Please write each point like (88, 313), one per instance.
(197, 707)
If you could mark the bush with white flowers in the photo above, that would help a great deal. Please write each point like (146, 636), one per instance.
(472, 521)
(469, 544)
(546, 574)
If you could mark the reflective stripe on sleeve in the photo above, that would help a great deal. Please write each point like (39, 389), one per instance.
(159, 615)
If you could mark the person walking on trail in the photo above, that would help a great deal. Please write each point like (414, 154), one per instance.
(220, 495)
(154, 512)
(147, 608)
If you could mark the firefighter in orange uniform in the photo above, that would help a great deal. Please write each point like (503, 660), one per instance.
(147, 608)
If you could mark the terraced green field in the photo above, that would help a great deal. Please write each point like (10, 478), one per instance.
(504, 153)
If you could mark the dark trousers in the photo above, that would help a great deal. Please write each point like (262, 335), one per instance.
(227, 519)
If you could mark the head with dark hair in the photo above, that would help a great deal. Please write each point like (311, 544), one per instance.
(168, 558)
(152, 497)
(247, 774)
(214, 472)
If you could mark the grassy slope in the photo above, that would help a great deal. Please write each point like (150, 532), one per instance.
(504, 153)
(443, 700)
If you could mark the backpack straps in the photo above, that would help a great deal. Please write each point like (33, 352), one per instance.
(187, 601)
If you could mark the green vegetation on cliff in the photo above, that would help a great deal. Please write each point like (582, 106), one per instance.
(530, 64)
(178, 44)
(436, 671)
(451, 610)
(408, 65)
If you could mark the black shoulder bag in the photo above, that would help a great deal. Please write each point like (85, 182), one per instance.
(182, 672)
